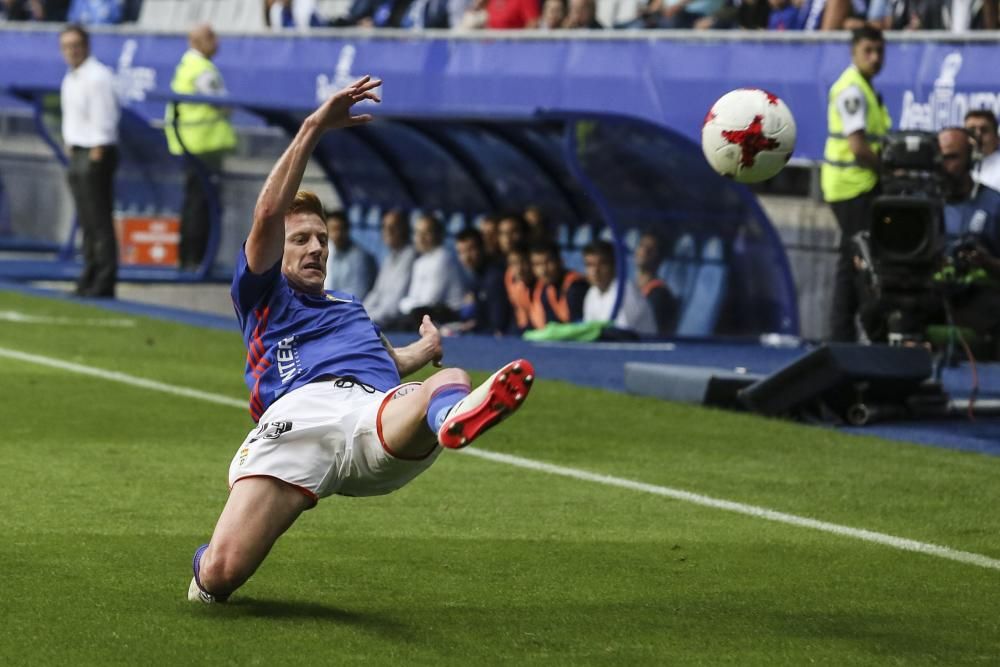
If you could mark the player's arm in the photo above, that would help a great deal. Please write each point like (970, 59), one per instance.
(266, 240)
(416, 355)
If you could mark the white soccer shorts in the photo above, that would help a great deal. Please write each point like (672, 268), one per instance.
(327, 440)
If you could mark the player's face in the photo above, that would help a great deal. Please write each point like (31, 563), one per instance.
(983, 130)
(73, 48)
(868, 56)
(423, 235)
(304, 261)
(509, 234)
(600, 272)
(521, 266)
(393, 231)
(545, 267)
(469, 253)
(488, 228)
(337, 229)
(647, 253)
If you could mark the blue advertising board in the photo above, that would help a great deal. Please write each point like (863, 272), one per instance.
(668, 80)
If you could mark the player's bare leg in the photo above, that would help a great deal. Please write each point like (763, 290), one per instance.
(258, 511)
(405, 430)
(444, 411)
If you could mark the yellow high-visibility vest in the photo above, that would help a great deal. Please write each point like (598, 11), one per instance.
(840, 176)
(204, 128)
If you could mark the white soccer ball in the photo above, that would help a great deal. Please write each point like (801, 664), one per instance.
(748, 135)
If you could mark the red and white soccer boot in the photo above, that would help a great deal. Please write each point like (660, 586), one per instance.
(487, 405)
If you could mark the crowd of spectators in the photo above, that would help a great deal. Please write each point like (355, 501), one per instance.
(504, 275)
(953, 15)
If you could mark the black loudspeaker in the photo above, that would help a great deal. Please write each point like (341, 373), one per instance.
(853, 383)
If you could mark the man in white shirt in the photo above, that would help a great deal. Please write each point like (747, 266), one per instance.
(436, 285)
(634, 313)
(982, 124)
(90, 132)
(393, 280)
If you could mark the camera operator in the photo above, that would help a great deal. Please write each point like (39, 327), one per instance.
(972, 236)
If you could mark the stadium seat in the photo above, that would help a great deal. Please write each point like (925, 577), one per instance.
(562, 235)
(573, 260)
(373, 217)
(583, 235)
(632, 239)
(701, 311)
(355, 215)
(456, 223)
(680, 270)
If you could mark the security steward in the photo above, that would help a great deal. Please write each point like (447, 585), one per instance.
(205, 133)
(857, 121)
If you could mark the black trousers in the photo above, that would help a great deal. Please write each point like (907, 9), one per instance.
(853, 216)
(92, 185)
(196, 219)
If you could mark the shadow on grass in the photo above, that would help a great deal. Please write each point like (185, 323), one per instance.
(290, 609)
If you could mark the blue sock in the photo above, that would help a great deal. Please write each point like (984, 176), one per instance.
(196, 565)
(443, 400)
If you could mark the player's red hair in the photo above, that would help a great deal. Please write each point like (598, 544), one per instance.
(306, 202)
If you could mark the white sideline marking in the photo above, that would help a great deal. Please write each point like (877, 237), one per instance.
(115, 376)
(572, 473)
(24, 318)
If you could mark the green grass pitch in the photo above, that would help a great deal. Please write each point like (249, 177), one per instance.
(108, 488)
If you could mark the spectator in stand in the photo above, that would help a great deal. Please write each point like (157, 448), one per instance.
(511, 231)
(559, 293)
(519, 281)
(90, 130)
(671, 14)
(486, 308)
(205, 133)
(382, 302)
(665, 306)
(582, 15)
(786, 15)
(96, 12)
(298, 14)
(349, 267)
(536, 225)
(489, 227)
(634, 315)
(511, 234)
(512, 14)
(553, 14)
(34, 10)
(436, 287)
(374, 14)
(982, 124)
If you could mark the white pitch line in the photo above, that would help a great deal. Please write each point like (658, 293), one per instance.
(884, 539)
(23, 318)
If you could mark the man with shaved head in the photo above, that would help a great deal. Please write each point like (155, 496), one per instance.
(203, 132)
(972, 230)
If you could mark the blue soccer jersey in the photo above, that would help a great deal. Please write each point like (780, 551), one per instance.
(294, 338)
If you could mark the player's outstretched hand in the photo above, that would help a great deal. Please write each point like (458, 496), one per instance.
(336, 111)
(430, 335)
